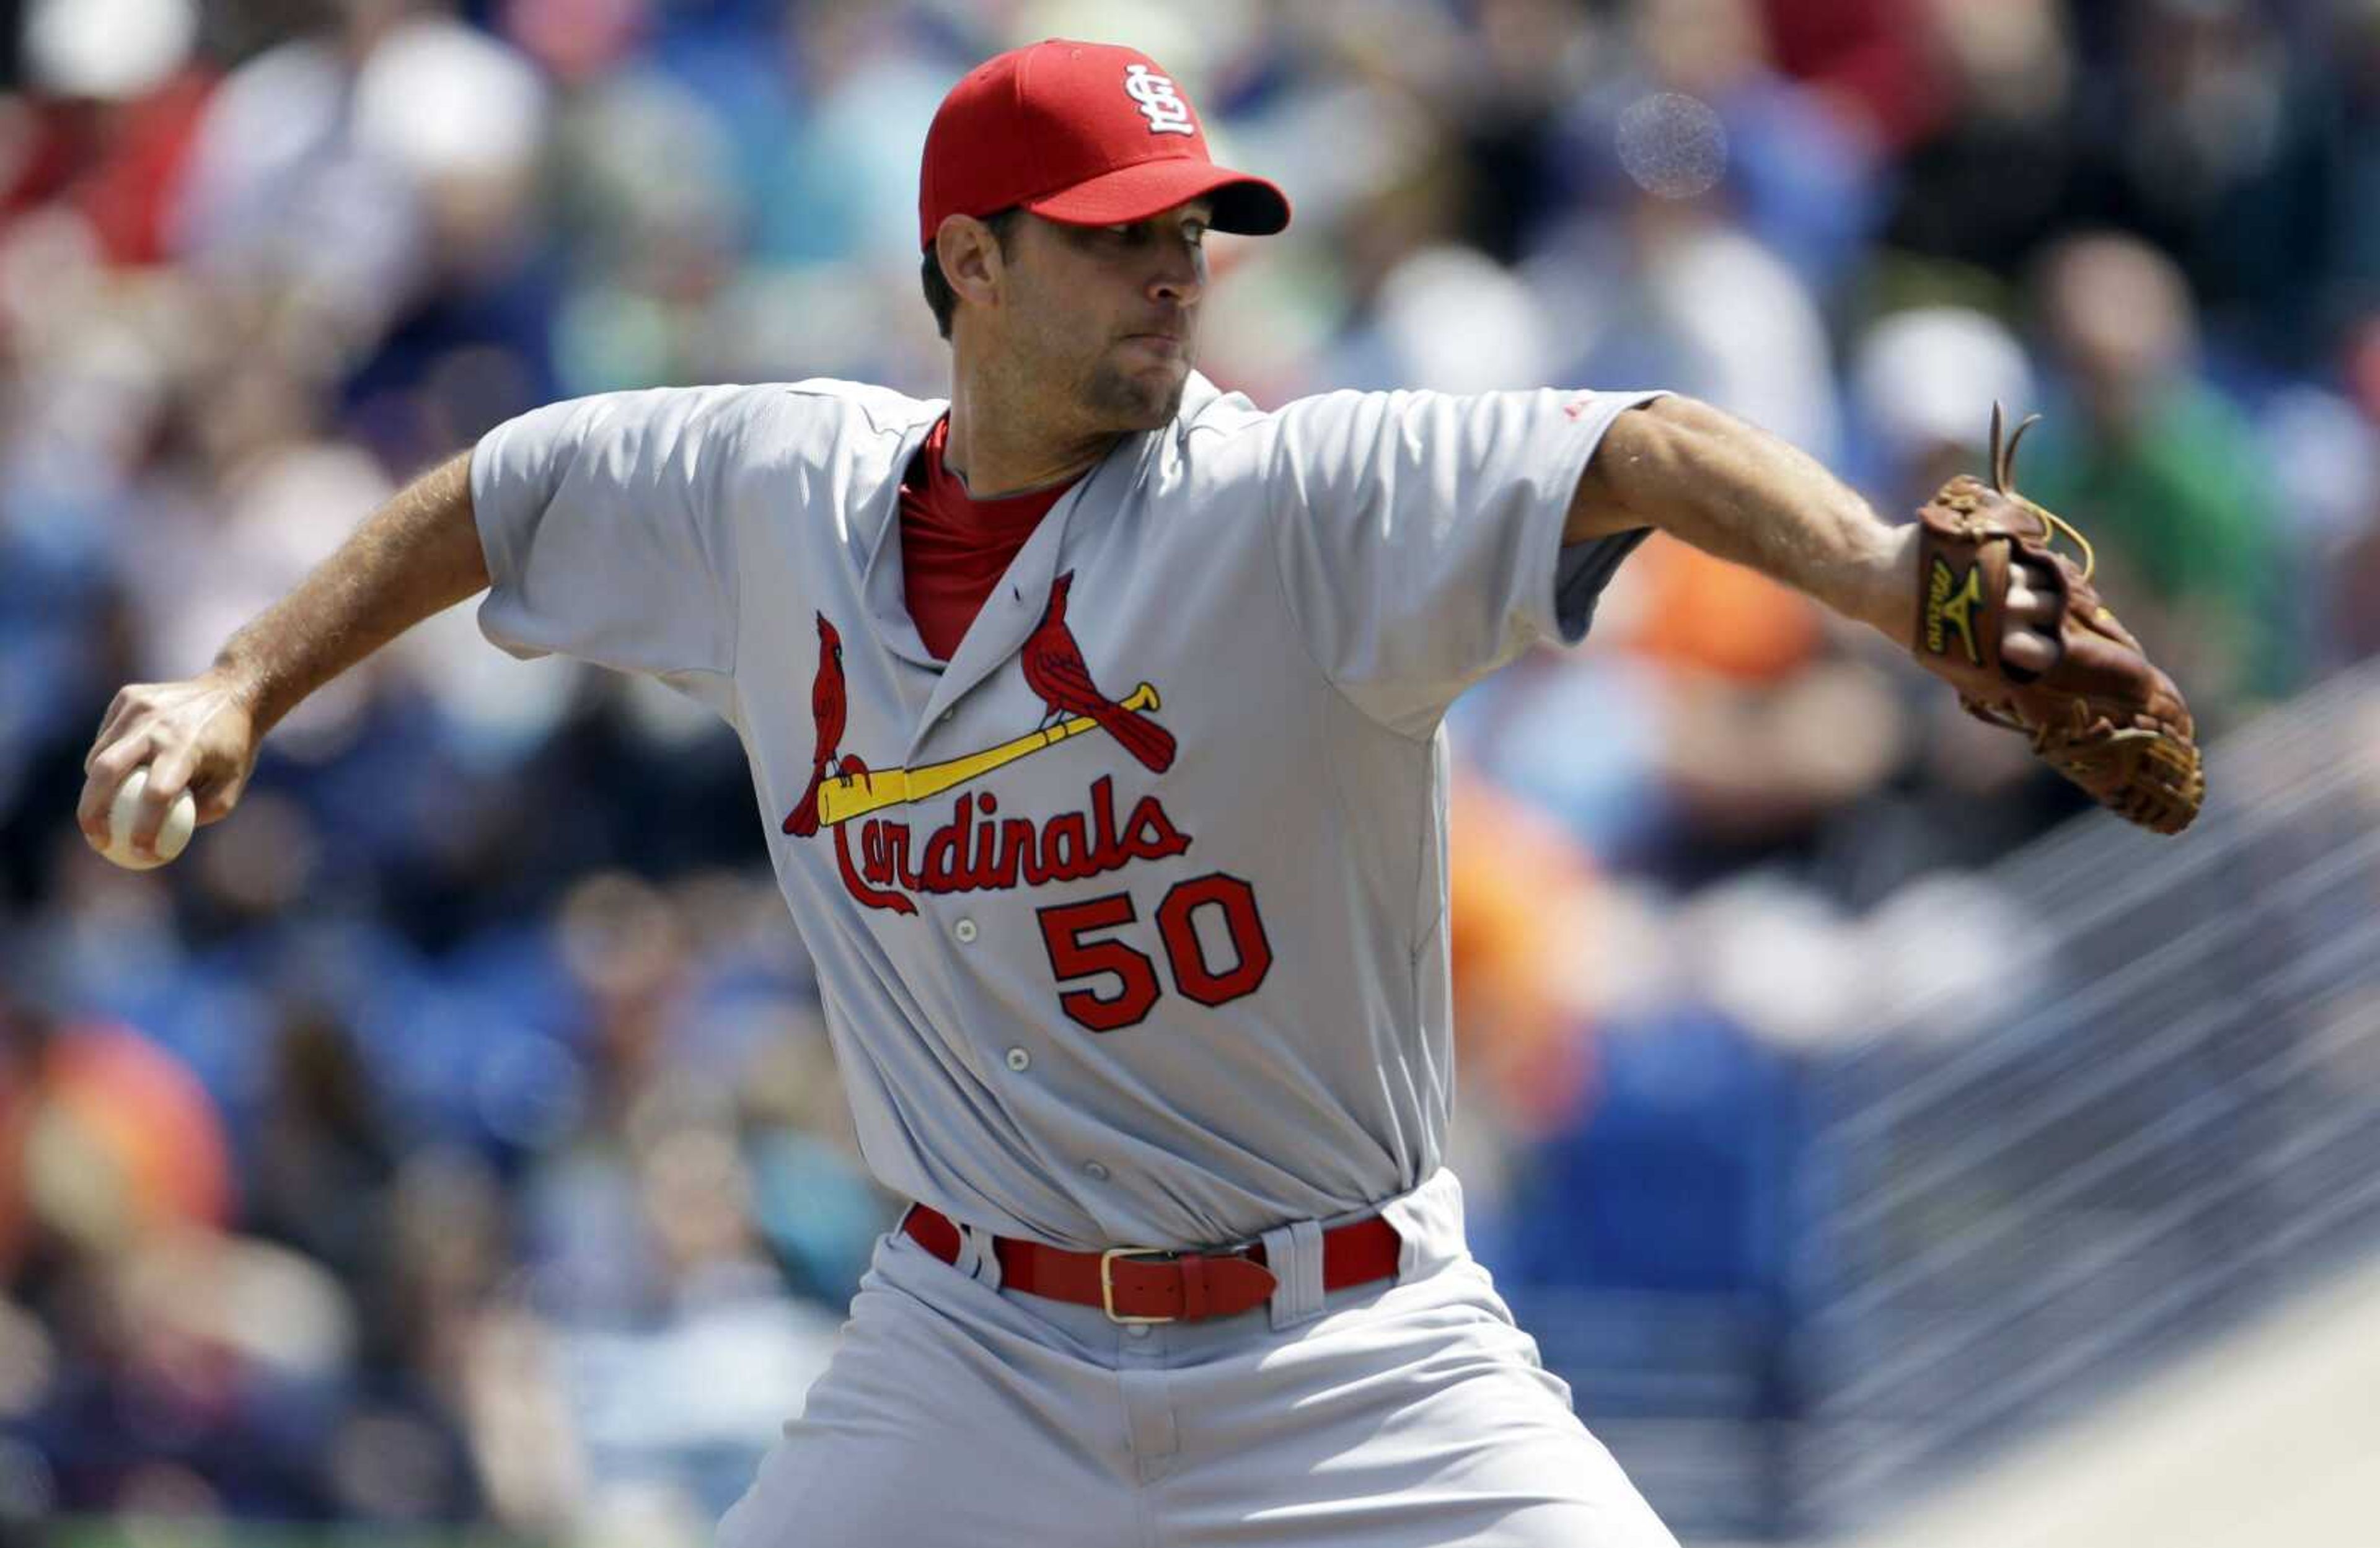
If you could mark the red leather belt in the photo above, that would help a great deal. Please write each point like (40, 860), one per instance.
(1154, 1285)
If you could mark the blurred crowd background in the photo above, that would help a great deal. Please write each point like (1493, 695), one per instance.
(451, 1139)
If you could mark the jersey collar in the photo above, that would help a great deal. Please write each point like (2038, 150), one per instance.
(1017, 604)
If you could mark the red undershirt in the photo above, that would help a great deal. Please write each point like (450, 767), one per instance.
(955, 548)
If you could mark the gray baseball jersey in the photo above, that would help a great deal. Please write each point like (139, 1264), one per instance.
(1130, 924)
(1129, 921)
(1167, 973)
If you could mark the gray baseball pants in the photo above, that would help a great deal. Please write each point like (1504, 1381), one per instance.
(1409, 1413)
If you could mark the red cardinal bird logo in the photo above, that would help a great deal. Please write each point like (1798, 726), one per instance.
(828, 706)
(1054, 668)
(887, 860)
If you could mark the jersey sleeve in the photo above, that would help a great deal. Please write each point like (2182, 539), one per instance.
(607, 532)
(1420, 536)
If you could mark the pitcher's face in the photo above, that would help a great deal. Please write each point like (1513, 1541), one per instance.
(1104, 319)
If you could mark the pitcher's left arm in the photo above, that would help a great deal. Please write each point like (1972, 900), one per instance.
(1972, 588)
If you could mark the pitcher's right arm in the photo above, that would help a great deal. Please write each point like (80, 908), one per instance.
(417, 555)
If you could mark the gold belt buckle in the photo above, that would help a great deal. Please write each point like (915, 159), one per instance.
(1107, 1281)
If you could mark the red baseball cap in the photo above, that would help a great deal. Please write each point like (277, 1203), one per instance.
(1086, 134)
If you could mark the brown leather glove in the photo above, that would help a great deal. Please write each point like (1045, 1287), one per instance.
(2102, 714)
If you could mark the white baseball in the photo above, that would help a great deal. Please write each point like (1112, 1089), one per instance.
(180, 818)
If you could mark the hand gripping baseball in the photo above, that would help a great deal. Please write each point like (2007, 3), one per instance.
(198, 735)
(2094, 706)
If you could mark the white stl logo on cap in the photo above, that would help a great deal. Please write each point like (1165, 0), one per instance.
(1168, 114)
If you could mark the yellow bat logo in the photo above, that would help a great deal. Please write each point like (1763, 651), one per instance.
(855, 795)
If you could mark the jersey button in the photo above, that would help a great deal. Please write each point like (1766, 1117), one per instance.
(1019, 1060)
(1096, 1172)
(965, 930)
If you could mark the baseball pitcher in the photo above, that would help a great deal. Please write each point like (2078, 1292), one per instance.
(1093, 716)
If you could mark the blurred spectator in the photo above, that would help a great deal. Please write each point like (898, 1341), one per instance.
(2165, 476)
(2350, 288)
(2353, 614)
(122, 96)
(1699, 180)
(1800, 172)
(1670, 1178)
(2217, 129)
(104, 1140)
(1985, 183)
(336, 177)
(1868, 56)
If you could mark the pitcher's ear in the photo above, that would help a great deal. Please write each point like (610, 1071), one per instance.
(973, 261)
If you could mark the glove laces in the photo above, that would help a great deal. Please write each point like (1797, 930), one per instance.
(2004, 480)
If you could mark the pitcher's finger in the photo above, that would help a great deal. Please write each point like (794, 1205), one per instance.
(2027, 603)
(110, 724)
(2029, 650)
(168, 776)
(108, 771)
(215, 801)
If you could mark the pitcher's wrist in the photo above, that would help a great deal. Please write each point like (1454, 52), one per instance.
(238, 672)
(1887, 592)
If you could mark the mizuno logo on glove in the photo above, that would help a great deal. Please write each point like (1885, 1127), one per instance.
(1949, 604)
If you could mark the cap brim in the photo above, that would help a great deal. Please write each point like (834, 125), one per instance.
(1245, 205)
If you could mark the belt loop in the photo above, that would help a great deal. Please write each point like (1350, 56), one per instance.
(1293, 1252)
(1430, 1225)
(979, 1256)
